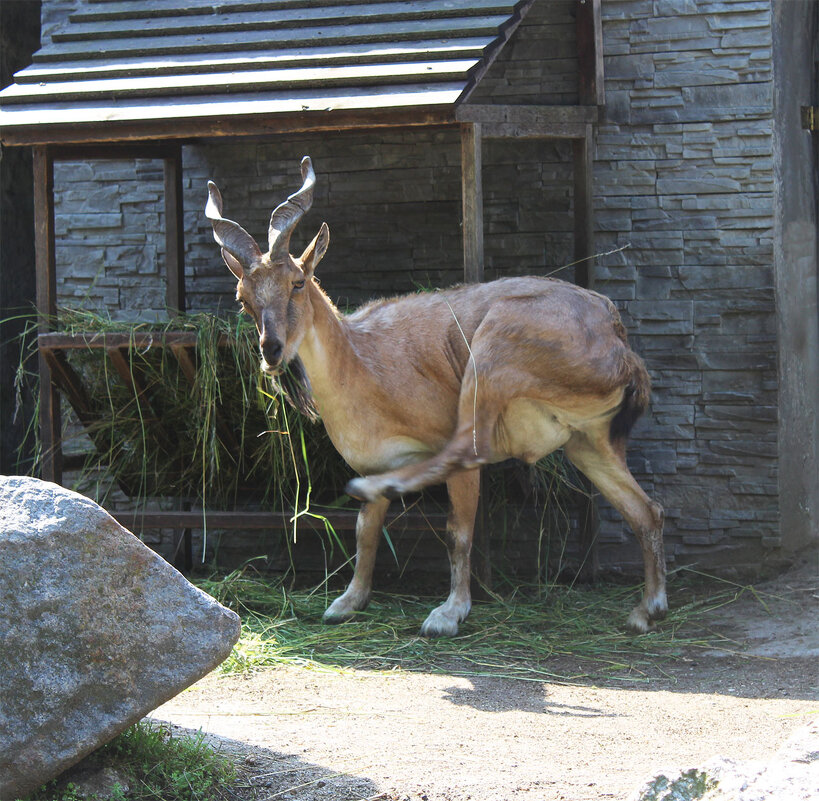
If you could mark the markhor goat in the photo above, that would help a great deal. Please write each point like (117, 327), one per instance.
(426, 388)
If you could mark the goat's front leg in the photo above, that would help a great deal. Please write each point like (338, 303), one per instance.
(463, 488)
(367, 535)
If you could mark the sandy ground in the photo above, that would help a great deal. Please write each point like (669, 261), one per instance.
(412, 736)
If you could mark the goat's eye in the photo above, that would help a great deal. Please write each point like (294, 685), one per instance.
(298, 284)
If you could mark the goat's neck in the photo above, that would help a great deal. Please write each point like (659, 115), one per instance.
(327, 353)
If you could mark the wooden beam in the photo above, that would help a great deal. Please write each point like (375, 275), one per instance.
(174, 234)
(66, 378)
(589, 520)
(222, 125)
(342, 520)
(128, 373)
(533, 115)
(511, 130)
(141, 340)
(45, 267)
(113, 150)
(590, 52)
(583, 209)
(542, 122)
(472, 195)
(187, 363)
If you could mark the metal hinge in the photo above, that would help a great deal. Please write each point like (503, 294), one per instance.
(810, 118)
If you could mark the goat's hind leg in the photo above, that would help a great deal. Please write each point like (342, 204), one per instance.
(367, 534)
(605, 466)
(463, 488)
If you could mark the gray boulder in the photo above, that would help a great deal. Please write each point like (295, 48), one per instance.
(96, 630)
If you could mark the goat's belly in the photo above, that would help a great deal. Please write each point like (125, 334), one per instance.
(529, 430)
(390, 453)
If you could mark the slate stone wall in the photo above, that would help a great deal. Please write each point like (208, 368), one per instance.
(683, 179)
(110, 237)
(683, 175)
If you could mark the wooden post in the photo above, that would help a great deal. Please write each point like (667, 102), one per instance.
(583, 210)
(174, 233)
(472, 193)
(589, 29)
(45, 267)
(589, 521)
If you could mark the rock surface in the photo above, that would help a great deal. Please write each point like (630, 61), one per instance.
(792, 775)
(95, 631)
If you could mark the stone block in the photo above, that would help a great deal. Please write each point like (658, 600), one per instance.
(96, 630)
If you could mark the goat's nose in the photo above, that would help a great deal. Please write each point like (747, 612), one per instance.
(271, 350)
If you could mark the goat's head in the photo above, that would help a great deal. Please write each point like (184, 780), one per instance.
(273, 287)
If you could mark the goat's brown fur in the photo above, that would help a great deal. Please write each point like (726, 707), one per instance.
(426, 388)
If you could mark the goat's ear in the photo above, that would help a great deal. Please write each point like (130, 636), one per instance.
(315, 251)
(233, 264)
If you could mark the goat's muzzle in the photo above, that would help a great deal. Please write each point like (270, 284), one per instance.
(272, 351)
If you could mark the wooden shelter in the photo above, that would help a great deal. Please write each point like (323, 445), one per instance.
(122, 79)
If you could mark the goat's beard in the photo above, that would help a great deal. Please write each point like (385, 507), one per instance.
(292, 382)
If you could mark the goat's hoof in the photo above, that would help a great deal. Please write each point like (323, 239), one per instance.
(336, 619)
(639, 622)
(332, 617)
(657, 606)
(444, 620)
(440, 627)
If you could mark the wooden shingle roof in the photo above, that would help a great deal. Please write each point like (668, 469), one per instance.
(120, 69)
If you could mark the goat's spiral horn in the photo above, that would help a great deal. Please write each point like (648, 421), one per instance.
(286, 216)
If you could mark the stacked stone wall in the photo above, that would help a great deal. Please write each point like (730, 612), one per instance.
(110, 237)
(683, 176)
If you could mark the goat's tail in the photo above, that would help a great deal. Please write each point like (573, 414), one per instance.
(635, 400)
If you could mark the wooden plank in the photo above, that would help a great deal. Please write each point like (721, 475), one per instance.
(553, 130)
(190, 64)
(129, 374)
(217, 125)
(582, 150)
(57, 340)
(590, 52)
(264, 39)
(341, 520)
(174, 234)
(45, 266)
(211, 116)
(187, 364)
(66, 378)
(242, 20)
(112, 151)
(472, 202)
(527, 115)
(218, 83)
(583, 156)
(119, 10)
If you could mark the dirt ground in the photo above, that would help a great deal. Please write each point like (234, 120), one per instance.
(322, 735)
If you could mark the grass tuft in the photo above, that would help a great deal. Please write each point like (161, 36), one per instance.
(152, 763)
(559, 633)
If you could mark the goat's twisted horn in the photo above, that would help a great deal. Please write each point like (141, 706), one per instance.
(228, 234)
(286, 216)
